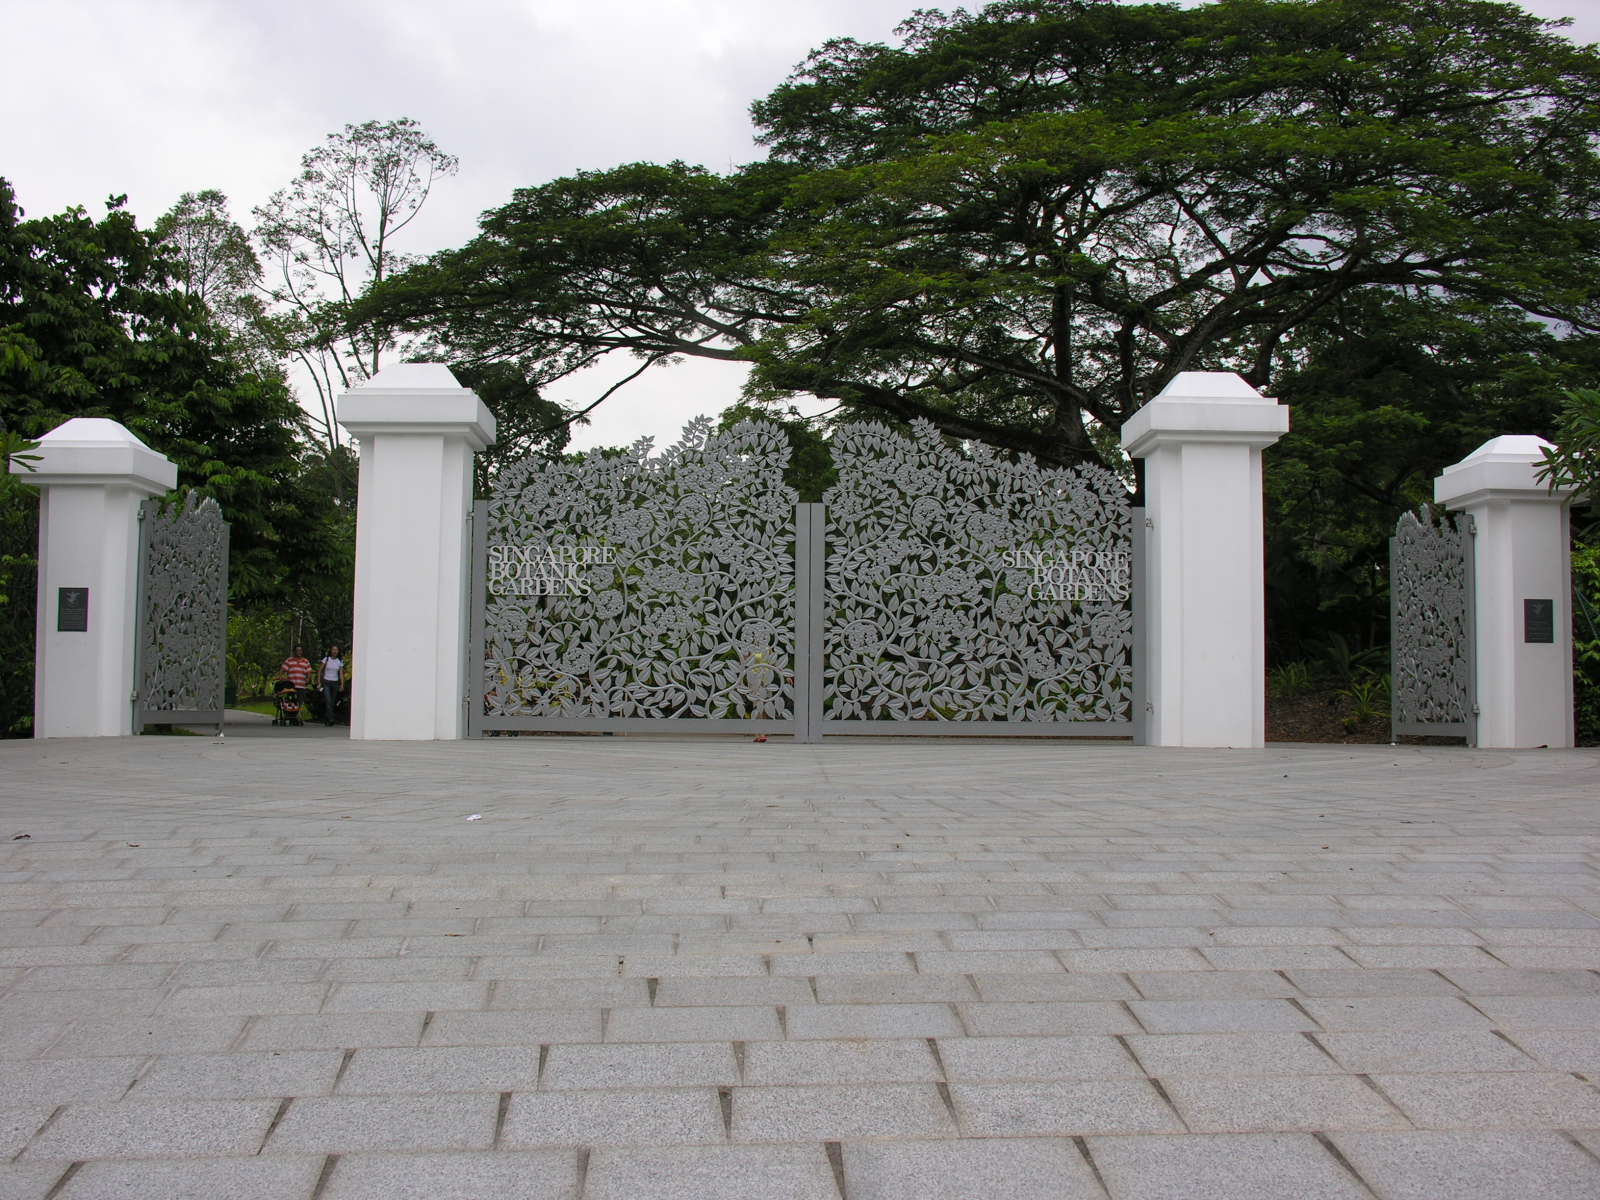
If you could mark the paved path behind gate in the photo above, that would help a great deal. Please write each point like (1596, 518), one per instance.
(717, 969)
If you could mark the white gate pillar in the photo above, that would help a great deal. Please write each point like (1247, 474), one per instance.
(1205, 621)
(418, 430)
(92, 475)
(1524, 591)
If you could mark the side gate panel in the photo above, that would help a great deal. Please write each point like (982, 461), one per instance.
(181, 664)
(1432, 597)
(966, 594)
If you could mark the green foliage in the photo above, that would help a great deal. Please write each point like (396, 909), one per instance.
(14, 448)
(605, 452)
(1574, 462)
(1386, 391)
(19, 569)
(1586, 642)
(258, 643)
(1335, 660)
(659, 261)
(19, 565)
(319, 591)
(1370, 695)
(1290, 679)
(93, 325)
(810, 471)
(212, 259)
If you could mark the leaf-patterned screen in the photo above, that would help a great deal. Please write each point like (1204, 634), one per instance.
(183, 617)
(640, 586)
(1431, 668)
(964, 587)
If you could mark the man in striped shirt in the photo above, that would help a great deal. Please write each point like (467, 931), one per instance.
(297, 670)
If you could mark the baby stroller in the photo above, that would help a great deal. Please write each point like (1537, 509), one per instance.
(286, 699)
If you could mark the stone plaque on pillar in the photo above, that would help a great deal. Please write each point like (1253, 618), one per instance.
(1538, 620)
(72, 610)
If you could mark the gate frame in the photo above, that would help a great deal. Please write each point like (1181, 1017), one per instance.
(143, 715)
(1469, 727)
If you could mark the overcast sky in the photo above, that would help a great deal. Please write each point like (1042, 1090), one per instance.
(158, 97)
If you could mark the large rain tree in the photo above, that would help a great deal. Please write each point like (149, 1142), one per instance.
(1020, 224)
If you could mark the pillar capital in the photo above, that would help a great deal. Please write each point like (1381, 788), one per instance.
(1503, 468)
(416, 398)
(1205, 406)
(94, 450)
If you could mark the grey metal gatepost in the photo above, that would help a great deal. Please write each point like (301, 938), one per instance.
(1139, 539)
(810, 561)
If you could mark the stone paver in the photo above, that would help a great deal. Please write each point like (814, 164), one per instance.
(235, 1178)
(860, 971)
(1432, 1165)
(969, 1169)
(532, 1175)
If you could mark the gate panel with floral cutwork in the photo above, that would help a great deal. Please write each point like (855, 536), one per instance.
(639, 591)
(1432, 593)
(969, 593)
(180, 669)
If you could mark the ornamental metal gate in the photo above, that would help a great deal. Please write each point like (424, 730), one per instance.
(180, 666)
(1432, 589)
(620, 593)
(932, 592)
(966, 593)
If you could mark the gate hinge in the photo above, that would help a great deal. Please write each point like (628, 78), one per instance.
(1149, 522)
(1475, 711)
(1149, 706)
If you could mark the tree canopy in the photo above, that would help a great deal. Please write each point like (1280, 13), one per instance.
(1021, 223)
(1386, 391)
(94, 323)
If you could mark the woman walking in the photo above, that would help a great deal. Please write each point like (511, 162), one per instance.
(330, 674)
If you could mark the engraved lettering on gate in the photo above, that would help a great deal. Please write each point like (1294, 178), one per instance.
(1083, 574)
(545, 570)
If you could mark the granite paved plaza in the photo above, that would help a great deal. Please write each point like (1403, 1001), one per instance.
(293, 968)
